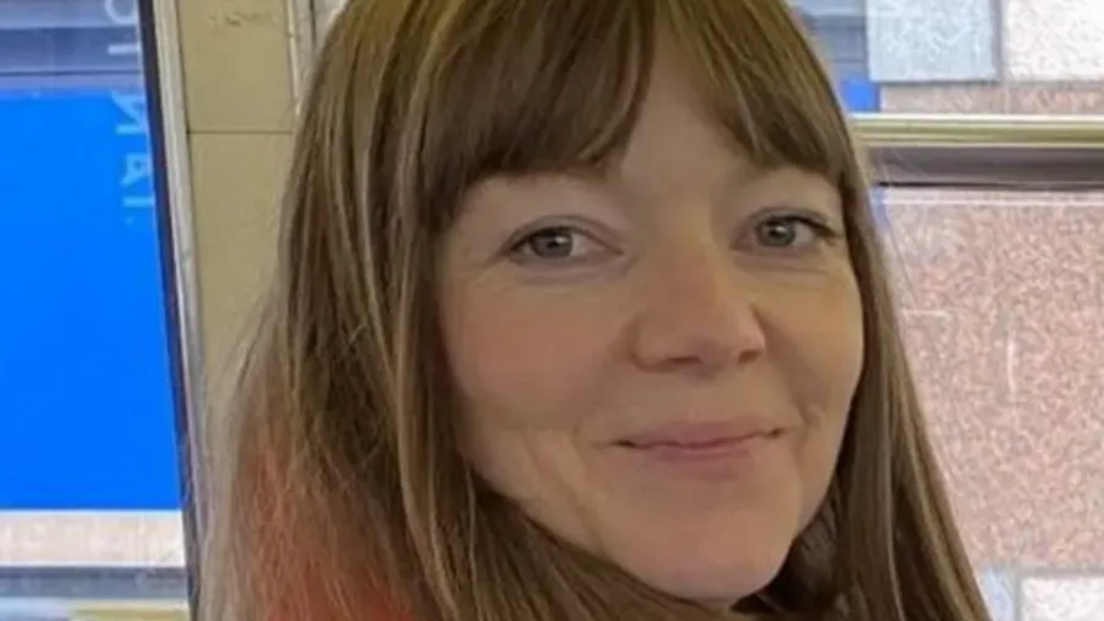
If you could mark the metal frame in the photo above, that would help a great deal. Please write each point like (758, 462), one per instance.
(162, 61)
(303, 33)
(1030, 153)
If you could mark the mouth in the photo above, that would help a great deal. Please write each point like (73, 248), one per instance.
(701, 453)
(705, 446)
(703, 436)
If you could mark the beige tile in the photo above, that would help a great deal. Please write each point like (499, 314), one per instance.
(1054, 39)
(236, 180)
(154, 539)
(237, 65)
(1066, 598)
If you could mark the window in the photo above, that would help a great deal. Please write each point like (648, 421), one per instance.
(90, 482)
(987, 134)
(1002, 297)
(964, 56)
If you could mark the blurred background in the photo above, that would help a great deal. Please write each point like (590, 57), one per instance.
(142, 146)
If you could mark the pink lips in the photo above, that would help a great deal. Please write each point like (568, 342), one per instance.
(709, 450)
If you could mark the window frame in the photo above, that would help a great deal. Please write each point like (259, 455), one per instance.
(1011, 152)
(162, 62)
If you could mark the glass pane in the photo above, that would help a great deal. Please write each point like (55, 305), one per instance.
(964, 56)
(90, 493)
(1003, 297)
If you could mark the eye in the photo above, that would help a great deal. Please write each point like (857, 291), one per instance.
(557, 244)
(791, 232)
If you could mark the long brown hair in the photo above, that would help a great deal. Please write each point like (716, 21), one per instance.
(340, 491)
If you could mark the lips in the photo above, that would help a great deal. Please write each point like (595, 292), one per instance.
(696, 445)
(701, 436)
(713, 453)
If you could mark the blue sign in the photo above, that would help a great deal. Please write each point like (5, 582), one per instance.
(86, 407)
(860, 95)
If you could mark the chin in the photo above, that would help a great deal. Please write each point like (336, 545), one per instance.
(712, 582)
(709, 574)
(720, 553)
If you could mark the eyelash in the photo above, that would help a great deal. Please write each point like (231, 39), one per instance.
(517, 248)
(821, 230)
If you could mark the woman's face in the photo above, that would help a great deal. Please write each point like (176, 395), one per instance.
(657, 363)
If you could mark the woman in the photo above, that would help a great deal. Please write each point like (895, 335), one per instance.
(578, 316)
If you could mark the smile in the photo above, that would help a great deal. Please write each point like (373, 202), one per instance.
(701, 452)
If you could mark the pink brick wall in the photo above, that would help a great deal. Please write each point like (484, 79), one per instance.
(1003, 295)
(1004, 300)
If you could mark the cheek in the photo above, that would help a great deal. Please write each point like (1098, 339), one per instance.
(525, 363)
(531, 374)
(821, 362)
(818, 344)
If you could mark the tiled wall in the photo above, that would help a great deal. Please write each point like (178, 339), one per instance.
(932, 40)
(932, 43)
(1003, 295)
(238, 82)
(1054, 39)
(1006, 300)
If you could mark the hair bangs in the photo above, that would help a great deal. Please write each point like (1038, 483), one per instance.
(764, 83)
(526, 89)
(518, 88)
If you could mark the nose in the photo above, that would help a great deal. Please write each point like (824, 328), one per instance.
(699, 315)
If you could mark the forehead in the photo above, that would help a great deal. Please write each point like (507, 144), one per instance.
(679, 149)
(675, 132)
